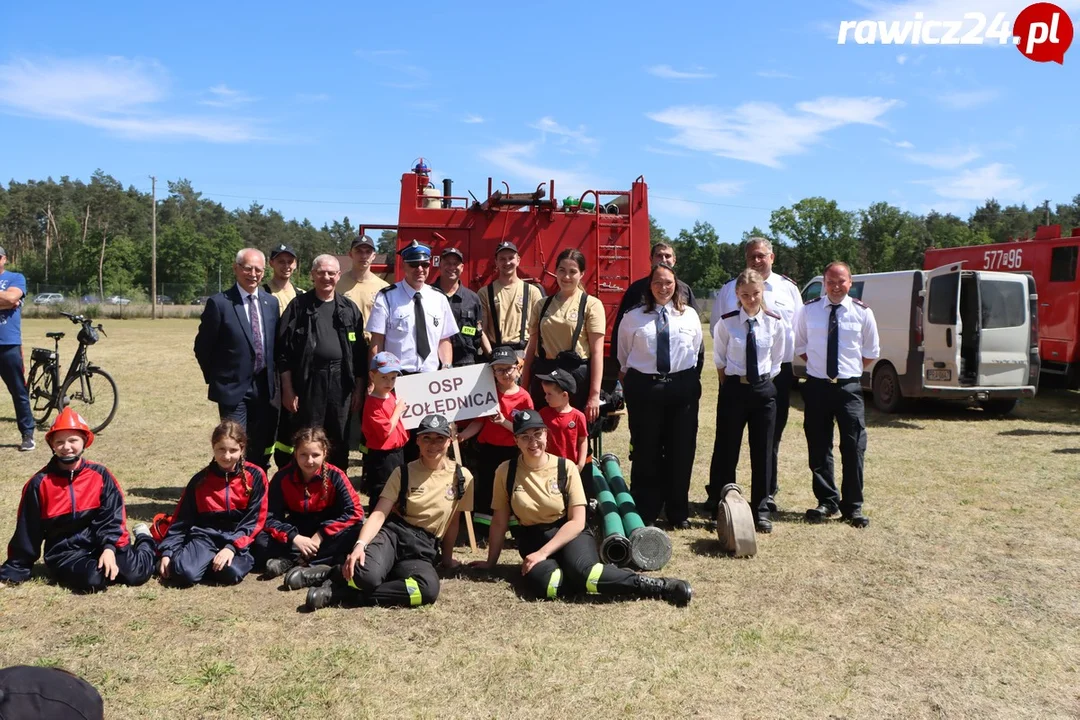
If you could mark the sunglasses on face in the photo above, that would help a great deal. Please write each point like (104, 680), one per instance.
(424, 265)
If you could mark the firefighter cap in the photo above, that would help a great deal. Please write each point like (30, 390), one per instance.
(361, 241)
(561, 378)
(70, 420)
(283, 248)
(452, 251)
(434, 424)
(527, 420)
(506, 245)
(415, 253)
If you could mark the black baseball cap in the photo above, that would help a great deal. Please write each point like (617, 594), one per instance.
(363, 240)
(561, 378)
(503, 355)
(527, 420)
(452, 251)
(436, 424)
(283, 248)
(506, 245)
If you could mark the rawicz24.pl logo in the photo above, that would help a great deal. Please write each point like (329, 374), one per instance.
(1041, 32)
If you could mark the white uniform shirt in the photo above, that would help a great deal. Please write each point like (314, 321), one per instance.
(393, 316)
(782, 296)
(244, 295)
(729, 342)
(637, 339)
(858, 336)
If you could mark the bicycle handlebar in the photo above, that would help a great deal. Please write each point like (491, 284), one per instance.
(77, 319)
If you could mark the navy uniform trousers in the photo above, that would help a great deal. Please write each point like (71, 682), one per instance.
(191, 562)
(77, 569)
(842, 402)
(574, 569)
(332, 551)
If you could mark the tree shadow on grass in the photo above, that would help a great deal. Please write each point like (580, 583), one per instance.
(709, 547)
(1025, 432)
(147, 510)
(161, 493)
(1067, 451)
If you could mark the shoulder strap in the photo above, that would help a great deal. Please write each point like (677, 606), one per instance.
(511, 477)
(539, 335)
(403, 491)
(564, 482)
(494, 314)
(525, 294)
(459, 481)
(580, 321)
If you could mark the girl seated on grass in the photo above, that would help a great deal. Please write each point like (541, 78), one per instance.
(314, 518)
(222, 510)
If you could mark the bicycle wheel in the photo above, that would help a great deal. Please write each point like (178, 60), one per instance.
(93, 395)
(42, 390)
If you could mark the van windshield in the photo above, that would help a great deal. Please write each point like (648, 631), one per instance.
(1004, 304)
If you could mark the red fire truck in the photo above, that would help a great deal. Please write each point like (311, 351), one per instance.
(1051, 259)
(610, 227)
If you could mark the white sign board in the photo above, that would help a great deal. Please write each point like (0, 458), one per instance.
(457, 394)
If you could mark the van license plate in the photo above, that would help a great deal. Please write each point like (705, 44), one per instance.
(939, 375)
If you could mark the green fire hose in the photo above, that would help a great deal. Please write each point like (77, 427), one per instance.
(614, 547)
(650, 547)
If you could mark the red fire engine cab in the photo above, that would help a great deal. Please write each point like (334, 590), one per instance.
(610, 227)
(1051, 259)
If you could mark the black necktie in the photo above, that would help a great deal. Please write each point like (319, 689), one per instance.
(423, 347)
(832, 361)
(663, 342)
(752, 373)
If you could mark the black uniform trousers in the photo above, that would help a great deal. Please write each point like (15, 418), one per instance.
(574, 569)
(783, 383)
(663, 416)
(399, 567)
(77, 569)
(191, 562)
(259, 418)
(332, 551)
(841, 402)
(378, 464)
(489, 458)
(740, 405)
(326, 405)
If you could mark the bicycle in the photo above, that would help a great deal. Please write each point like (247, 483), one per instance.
(88, 389)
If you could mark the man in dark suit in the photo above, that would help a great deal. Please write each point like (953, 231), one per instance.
(235, 350)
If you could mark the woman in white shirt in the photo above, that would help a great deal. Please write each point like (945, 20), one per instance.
(660, 360)
(748, 349)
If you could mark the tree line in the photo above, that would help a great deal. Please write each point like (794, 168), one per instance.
(96, 237)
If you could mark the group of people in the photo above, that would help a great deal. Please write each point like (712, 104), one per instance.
(304, 376)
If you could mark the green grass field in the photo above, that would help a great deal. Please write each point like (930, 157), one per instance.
(960, 600)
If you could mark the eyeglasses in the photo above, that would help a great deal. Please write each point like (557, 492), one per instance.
(252, 269)
(531, 437)
(505, 370)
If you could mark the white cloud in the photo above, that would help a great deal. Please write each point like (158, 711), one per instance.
(669, 73)
(994, 180)
(224, 96)
(722, 188)
(903, 144)
(964, 100)
(665, 151)
(774, 74)
(901, 58)
(471, 119)
(945, 159)
(674, 206)
(114, 94)
(520, 161)
(548, 126)
(762, 133)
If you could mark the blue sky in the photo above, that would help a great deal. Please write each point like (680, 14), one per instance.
(729, 111)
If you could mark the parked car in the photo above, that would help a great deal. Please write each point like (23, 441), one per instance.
(201, 300)
(119, 300)
(90, 300)
(48, 298)
(164, 300)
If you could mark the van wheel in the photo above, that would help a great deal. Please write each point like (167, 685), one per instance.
(998, 406)
(887, 395)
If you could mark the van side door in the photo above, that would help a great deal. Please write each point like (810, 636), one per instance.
(941, 327)
(1005, 330)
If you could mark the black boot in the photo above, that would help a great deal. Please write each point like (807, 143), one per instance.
(325, 595)
(675, 591)
(276, 567)
(305, 577)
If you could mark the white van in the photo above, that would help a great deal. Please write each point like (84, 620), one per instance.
(979, 340)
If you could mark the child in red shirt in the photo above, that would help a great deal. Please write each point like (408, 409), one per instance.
(495, 443)
(384, 434)
(568, 431)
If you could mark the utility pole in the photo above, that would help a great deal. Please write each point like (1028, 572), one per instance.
(153, 248)
(1046, 204)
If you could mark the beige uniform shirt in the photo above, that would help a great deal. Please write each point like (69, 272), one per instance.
(509, 301)
(284, 296)
(363, 294)
(557, 328)
(537, 500)
(432, 498)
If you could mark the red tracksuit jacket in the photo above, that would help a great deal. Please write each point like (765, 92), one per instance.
(306, 508)
(78, 510)
(227, 507)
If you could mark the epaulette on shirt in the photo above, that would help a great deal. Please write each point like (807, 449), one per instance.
(790, 280)
(387, 289)
(859, 302)
(808, 302)
(726, 315)
(770, 313)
